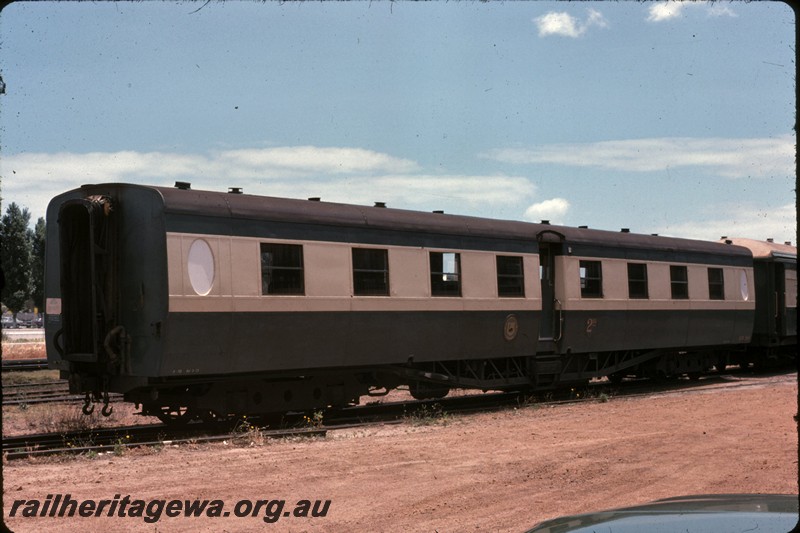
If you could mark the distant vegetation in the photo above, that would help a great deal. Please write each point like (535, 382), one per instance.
(22, 260)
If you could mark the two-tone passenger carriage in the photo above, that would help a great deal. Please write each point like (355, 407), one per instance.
(775, 325)
(196, 303)
(644, 305)
(232, 303)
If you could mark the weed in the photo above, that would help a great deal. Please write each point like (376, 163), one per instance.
(315, 420)
(121, 445)
(86, 441)
(64, 419)
(426, 415)
(159, 442)
(527, 401)
(248, 434)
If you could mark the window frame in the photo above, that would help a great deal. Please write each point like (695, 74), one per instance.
(440, 286)
(510, 285)
(283, 270)
(638, 287)
(362, 274)
(591, 284)
(716, 287)
(679, 288)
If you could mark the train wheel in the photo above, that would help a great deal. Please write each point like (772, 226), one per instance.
(661, 377)
(177, 416)
(722, 363)
(211, 417)
(427, 391)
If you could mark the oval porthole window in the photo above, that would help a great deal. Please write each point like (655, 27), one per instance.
(743, 285)
(201, 267)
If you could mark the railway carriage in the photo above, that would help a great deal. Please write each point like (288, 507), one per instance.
(227, 303)
(209, 304)
(775, 324)
(645, 305)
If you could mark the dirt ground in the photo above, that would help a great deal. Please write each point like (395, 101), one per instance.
(23, 350)
(488, 472)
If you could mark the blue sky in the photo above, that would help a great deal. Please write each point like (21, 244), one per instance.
(670, 118)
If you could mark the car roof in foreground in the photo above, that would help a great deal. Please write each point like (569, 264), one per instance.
(694, 514)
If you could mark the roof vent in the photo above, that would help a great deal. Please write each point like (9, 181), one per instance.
(723, 237)
(728, 241)
(583, 227)
(183, 185)
(654, 234)
(545, 222)
(380, 204)
(770, 240)
(787, 243)
(314, 199)
(625, 230)
(235, 190)
(439, 212)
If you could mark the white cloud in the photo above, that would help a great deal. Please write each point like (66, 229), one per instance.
(246, 163)
(718, 9)
(777, 223)
(671, 10)
(596, 19)
(557, 24)
(732, 158)
(453, 193)
(454, 189)
(309, 160)
(565, 25)
(552, 210)
(350, 175)
(664, 11)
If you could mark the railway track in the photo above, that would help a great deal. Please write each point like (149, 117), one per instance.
(43, 392)
(117, 439)
(299, 424)
(18, 365)
(24, 393)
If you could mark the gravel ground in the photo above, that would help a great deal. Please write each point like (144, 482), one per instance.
(487, 472)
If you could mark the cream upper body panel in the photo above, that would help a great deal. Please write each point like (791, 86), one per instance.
(738, 286)
(236, 279)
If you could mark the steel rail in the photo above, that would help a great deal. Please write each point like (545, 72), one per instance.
(17, 365)
(105, 439)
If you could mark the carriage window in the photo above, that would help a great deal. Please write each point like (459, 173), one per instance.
(200, 264)
(716, 285)
(370, 272)
(679, 281)
(282, 269)
(445, 274)
(637, 280)
(591, 279)
(510, 276)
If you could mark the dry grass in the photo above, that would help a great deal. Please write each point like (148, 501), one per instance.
(61, 417)
(32, 376)
(49, 417)
(45, 418)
